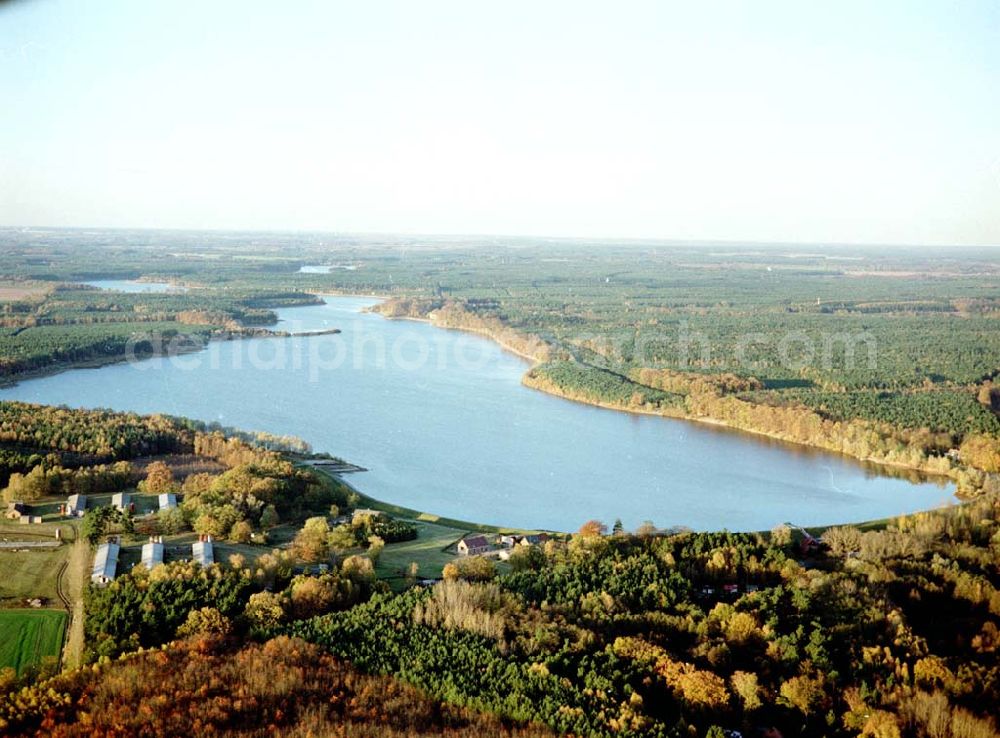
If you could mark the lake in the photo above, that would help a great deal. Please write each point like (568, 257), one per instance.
(442, 422)
(130, 285)
(324, 268)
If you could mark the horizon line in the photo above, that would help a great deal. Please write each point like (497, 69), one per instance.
(637, 240)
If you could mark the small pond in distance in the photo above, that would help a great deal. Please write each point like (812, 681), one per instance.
(131, 285)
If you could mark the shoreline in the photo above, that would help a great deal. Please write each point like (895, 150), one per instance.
(533, 360)
(410, 513)
(49, 370)
(506, 347)
(716, 423)
(525, 380)
(702, 419)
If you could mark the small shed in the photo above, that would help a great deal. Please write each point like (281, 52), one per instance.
(76, 506)
(364, 512)
(203, 551)
(152, 552)
(473, 546)
(168, 501)
(121, 500)
(16, 510)
(534, 539)
(105, 563)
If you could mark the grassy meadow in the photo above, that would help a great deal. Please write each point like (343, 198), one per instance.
(27, 637)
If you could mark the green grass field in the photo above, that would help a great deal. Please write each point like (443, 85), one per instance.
(29, 574)
(29, 636)
(426, 550)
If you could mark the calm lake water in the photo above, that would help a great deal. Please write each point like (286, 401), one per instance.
(324, 268)
(442, 422)
(128, 285)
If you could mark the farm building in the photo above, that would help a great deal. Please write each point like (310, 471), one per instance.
(16, 510)
(152, 552)
(512, 539)
(105, 563)
(76, 505)
(473, 546)
(203, 552)
(121, 500)
(364, 513)
(168, 501)
(534, 539)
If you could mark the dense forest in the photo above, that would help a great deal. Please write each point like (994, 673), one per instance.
(58, 441)
(37, 439)
(889, 632)
(206, 686)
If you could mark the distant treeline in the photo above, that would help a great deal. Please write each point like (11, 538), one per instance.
(70, 324)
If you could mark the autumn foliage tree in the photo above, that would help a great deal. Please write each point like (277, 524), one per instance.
(159, 479)
(592, 529)
(982, 452)
(312, 542)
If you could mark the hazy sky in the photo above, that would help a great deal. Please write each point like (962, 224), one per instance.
(871, 121)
